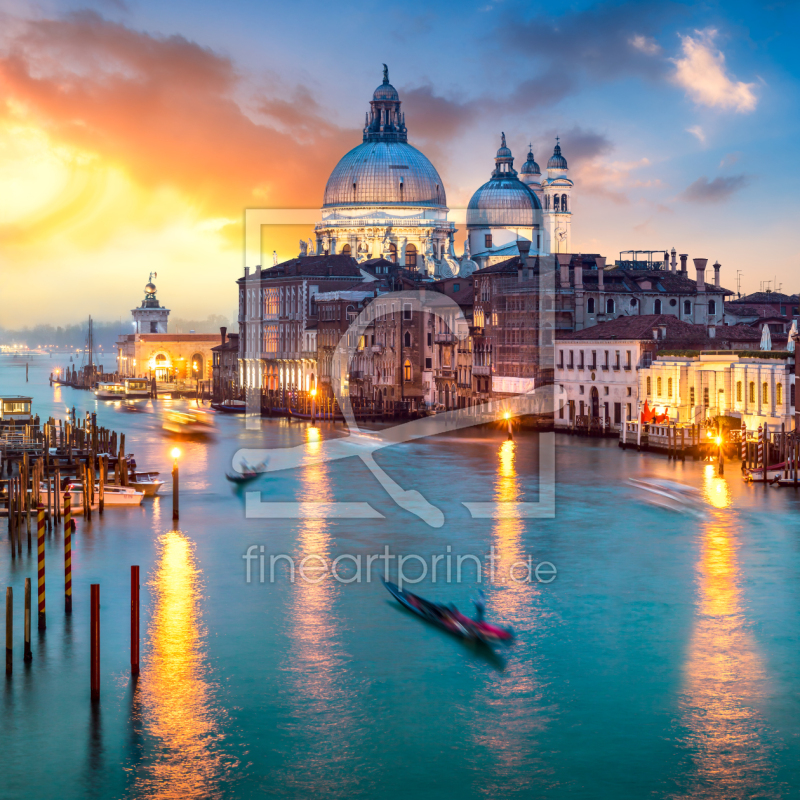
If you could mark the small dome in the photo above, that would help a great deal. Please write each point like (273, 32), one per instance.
(504, 151)
(557, 161)
(503, 202)
(386, 92)
(150, 288)
(530, 167)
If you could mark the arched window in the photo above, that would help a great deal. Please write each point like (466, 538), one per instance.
(547, 202)
(407, 371)
(411, 255)
(764, 393)
(555, 202)
(738, 391)
(590, 305)
(752, 391)
(346, 250)
(649, 386)
(657, 307)
(712, 306)
(669, 387)
(609, 306)
(393, 253)
(407, 339)
(563, 202)
(779, 394)
(658, 386)
(687, 306)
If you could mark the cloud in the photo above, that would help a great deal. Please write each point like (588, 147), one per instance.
(701, 71)
(697, 131)
(645, 44)
(436, 117)
(716, 191)
(729, 159)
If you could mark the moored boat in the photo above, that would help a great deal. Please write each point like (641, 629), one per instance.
(110, 391)
(137, 387)
(147, 483)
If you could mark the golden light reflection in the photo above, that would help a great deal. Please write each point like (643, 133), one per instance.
(508, 738)
(724, 676)
(174, 699)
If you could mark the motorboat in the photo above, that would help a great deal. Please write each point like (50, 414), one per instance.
(112, 496)
(147, 483)
(110, 391)
(137, 387)
(231, 406)
(189, 423)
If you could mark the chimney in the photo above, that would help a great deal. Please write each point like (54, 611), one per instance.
(712, 331)
(683, 258)
(673, 264)
(601, 271)
(222, 334)
(579, 274)
(655, 334)
(700, 266)
(717, 266)
(247, 272)
(563, 261)
(524, 247)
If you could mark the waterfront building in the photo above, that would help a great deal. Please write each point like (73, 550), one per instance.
(225, 367)
(167, 357)
(758, 388)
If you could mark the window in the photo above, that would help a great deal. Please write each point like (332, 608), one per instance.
(571, 363)
(153, 327)
(779, 394)
(605, 390)
(687, 306)
(407, 371)
(764, 393)
(430, 339)
(428, 363)
(705, 397)
(609, 306)
(669, 387)
(630, 391)
(634, 302)
(407, 339)
(393, 253)
(406, 310)
(657, 307)
(738, 391)
(487, 240)
(580, 391)
(629, 410)
(590, 305)
(547, 202)
(752, 392)
(649, 386)
(628, 359)
(561, 359)
(411, 255)
(563, 202)
(712, 306)
(555, 203)
(346, 250)
(617, 413)
(658, 387)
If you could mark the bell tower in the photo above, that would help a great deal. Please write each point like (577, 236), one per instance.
(557, 191)
(150, 317)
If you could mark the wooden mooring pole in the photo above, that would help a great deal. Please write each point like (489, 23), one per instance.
(9, 628)
(134, 620)
(94, 635)
(27, 655)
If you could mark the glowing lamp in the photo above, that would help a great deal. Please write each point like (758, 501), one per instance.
(313, 392)
(506, 415)
(175, 453)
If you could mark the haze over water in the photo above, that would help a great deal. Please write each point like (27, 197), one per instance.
(661, 661)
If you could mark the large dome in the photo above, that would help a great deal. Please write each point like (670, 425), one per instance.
(385, 173)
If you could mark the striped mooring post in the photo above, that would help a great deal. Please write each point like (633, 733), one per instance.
(760, 462)
(40, 540)
(67, 554)
(744, 441)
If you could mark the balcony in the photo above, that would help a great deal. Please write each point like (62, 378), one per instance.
(444, 338)
(443, 372)
(377, 349)
(481, 369)
(356, 375)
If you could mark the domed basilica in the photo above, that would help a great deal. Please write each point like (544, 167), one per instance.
(385, 199)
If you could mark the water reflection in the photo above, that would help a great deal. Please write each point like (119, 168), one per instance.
(174, 700)
(510, 718)
(724, 675)
(322, 718)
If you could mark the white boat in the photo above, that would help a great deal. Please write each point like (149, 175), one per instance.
(137, 387)
(112, 496)
(110, 391)
(147, 483)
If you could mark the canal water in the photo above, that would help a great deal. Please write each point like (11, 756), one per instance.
(661, 661)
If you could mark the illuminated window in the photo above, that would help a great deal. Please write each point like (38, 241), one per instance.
(738, 391)
(346, 250)
(658, 386)
(649, 386)
(407, 370)
(764, 393)
(779, 394)
(411, 255)
(752, 392)
(705, 397)
(669, 387)
(691, 395)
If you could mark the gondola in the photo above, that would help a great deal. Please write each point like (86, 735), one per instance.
(448, 618)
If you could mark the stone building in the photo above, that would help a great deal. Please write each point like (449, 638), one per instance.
(225, 367)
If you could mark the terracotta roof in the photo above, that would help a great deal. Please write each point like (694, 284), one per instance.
(338, 266)
(465, 296)
(765, 297)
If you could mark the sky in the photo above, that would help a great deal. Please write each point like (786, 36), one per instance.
(133, 135)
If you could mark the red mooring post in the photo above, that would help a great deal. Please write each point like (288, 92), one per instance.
(67, 554)
(40, 545)
(134, 620)
(94, 626)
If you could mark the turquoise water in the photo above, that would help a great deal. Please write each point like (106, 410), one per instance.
(660, 662)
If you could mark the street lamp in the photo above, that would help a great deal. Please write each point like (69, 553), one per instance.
(175, 454)
(313, 404)
(507, 418)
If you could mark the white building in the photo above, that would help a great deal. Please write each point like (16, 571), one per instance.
(150, 317)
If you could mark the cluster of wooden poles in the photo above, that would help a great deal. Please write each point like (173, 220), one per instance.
(772, 448)
(69, 530)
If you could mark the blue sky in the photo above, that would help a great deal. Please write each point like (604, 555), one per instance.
(678, 122)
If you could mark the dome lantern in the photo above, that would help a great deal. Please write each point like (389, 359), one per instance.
(557, 161)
